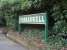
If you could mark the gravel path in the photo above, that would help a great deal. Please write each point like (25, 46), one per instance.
(6, 44)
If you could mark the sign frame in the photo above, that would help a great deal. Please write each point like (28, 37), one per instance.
(45, 23)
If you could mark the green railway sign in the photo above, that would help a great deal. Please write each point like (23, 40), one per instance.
(40, 18)
(33, 19)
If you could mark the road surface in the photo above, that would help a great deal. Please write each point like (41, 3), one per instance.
(6, 44)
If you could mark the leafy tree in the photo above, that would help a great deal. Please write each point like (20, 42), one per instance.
(56, 10)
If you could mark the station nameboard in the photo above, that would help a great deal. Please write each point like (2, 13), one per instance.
(33, 19)
(40, 18)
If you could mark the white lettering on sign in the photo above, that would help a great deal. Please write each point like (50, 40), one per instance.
(42, 19)
(33, 19)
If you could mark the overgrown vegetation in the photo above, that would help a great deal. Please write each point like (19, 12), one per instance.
(56, 10)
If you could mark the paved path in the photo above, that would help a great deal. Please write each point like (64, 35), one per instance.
(6, 44)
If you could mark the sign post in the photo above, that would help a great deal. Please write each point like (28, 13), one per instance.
(40, 18)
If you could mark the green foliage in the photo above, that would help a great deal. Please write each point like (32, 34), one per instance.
(25, 4)
(58, 28)
(56, 9)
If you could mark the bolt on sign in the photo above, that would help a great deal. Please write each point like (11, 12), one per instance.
(40, 18)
